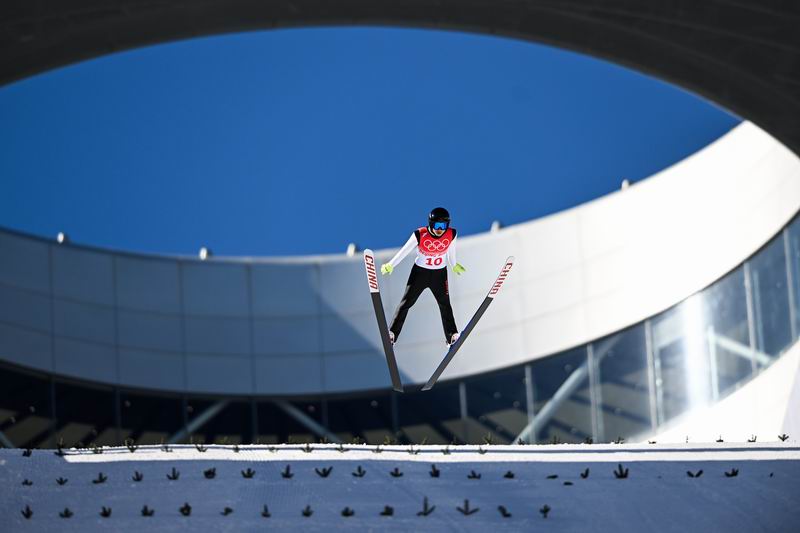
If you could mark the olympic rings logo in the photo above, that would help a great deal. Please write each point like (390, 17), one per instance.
(436, 246)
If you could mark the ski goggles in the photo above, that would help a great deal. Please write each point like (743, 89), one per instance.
(440, 225)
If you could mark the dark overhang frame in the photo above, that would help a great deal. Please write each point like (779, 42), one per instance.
(742, 54)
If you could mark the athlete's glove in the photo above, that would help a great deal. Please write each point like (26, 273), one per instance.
(386, 268)
(458, 269)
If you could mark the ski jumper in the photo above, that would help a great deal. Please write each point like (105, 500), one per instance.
(429, 272)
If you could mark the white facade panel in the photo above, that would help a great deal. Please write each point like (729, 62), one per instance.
(24, 308)
(25, 347)
(151, 370)
(553, 332)
(354, 371)
(485, 350)
(609, 274)
(293, 374)
(149, 331)
(287, 336)
(550, 246)
(217, 335)
(85, 360)
(82, 275)
(219, 374)
(215, 289)
(148, 285)
(551, 292)
(87, 322)
(392, 286)
(423, 323)
(24, 263)
(350, 333)
(343, 288)
(285, 290)
(417, 361)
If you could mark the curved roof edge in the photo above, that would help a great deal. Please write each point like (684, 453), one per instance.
(305, 326)
(325, 257)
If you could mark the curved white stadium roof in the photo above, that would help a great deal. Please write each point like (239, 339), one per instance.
(305, 325)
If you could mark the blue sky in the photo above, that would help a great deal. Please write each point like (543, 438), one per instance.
(301, 141)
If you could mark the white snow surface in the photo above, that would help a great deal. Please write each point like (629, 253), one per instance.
(658, 494)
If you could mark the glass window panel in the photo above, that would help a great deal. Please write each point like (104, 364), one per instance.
(794, 252)
(312, 409)
(196, 407)
(561, 383)
(86, 416)
(496, 405)
(25, 417)
(230, 425)
(150, 419)
(771, 299)
(623, 379)
(682, 370)
(277, 426)
(233, 425)
(368, 419)
(432, 416)
(725, 305)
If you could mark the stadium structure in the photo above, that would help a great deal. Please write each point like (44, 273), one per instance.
(622, 316)
(667, 311)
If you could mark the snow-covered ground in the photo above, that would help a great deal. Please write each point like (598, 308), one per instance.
(577, 483)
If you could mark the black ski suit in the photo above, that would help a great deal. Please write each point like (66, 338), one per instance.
(429, 272)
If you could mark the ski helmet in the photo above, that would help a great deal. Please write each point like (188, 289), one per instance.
(439, 214)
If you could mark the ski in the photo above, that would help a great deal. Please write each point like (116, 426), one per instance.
(451, 352)
(380, 316)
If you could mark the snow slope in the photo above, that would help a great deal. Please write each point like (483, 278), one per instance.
(657, 495)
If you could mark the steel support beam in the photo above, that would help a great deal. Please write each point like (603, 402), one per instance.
(743, 351)
(317, 428)
(5, 442)
(570, 385)
(199, 421)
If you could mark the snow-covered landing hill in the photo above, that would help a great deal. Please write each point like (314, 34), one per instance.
(580, 488)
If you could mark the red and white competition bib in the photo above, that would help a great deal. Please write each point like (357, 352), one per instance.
(432, 251)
